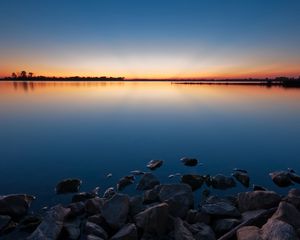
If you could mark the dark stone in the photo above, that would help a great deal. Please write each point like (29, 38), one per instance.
(154, 164)
(194, 216)
(96, 230)
(15, 205)
(76, 209)
(222, 226)
(278, 230)
(93, 206)
(286, 212)
(83, 196)
(127, 232)
(195, 181)
(259, 188)
(242, 177)
(124, 182)
(52, 224)
(137, 172)
(154, 220)
(222, 182)
(257, 200)
(68, 186)
(148, 181)
(115, 210)
(294, 177)
(136, 205)
(150, 196)
(179, 198)
(281, 178)
(30, 223)
(181, 232)
(72, 228)
(220, 209)
(201, 231)
(109, 193)
(93, 237)
(293, 197)
(191, 162)
(4, 221)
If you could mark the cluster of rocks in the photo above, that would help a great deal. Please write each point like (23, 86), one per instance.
(159, 211)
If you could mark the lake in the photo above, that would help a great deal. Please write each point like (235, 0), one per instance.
(55, 130)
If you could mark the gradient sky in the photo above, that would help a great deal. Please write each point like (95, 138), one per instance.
(151, 39)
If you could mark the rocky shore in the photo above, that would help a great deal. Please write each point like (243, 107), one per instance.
(160, 211)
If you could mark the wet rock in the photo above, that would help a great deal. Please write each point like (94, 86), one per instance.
(109, 193)
(201, 231)
(150, 196)
(220, 209)
(76, 209)
(15, 205)
(93, 206)
(194, 216)
(72, 228)
(148, 181)
(94, 229)
(286, 212)
(191, 162)
(278, 230)
(222, 182)
(99, 220)
(242, 177)
(115, 210)
(257, 200)
(240, 170)
(30, 223)
(281, 178)
(68, 186)
(83, 196)
(136, 205)
(222, 226)
(294, 177)
(154, 164)
(179, 197)
(137, 172)
(293, 197)
(259, 188)
(195, 181)
(154, 220)
(181, 232)
(4, 221)
(249, 233)
(93, 237)
(216, 199)
(124, 182)
(127, 232)
(52, 224)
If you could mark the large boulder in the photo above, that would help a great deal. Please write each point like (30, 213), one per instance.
(72, 228)
(248, 233)
(221, 209)
(94, 205)
(115, 210)
(127, 232)
(4, 221)
(281, 178)
(222, 182)
(278, 230)
(52, 225)
(201, 231)
(70, 185)
(222, 226)
(148, 181)
(136, 205)
(154, 220)
(194, 180)
(286, 212)
(124, 182)
(293, 197)
(15, 205)
(83, 196)
(96, 230)
(179, 198)
(194, 216)
(181, 232)
(242, 177)
(257, 200)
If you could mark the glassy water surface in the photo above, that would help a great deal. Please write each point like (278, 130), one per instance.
(51, 131)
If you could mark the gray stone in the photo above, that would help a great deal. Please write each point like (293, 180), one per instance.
(293, 197)
(127, 232)
(73, 228)
(4, 220)
(154, 164)
(194, 216)
(221, 209)
(94, 229)
(201, 231)
(181, 232)
(94, 205)
(148, 181)
(136, 205)
(286, 212)
(278, 230)
(222, 226)
(222, 182)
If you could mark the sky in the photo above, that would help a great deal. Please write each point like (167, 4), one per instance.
(151, 38)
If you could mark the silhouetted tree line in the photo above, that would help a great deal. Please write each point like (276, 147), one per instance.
(23, 75)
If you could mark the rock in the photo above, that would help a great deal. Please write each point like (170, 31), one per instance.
(136, 205)
(109, 193)
(15, 205)
(93, 206)
(201, 231)
(93, 237)
(137, 172)
(222, 182)
(148, 181)
(115, 210)
(30, 222)
(294, 177)
(73, 228)
(154, 164)
(150, 196)
(4, 221)
(76, 209)
(278, 230)
(240, 170)
(222, 226)
(94, 229)
(179, 198)
(52, 224)
(293, 197)
(68, 186)
(220, 209)
(124, 182)
(281, 178)
(154, 220)
(99, 220)
(286, 212)
(191, 162)
(83, 196)
(181, 232)
(215, 199)
(242, 177)
(109, 175)
(194, 216)
(257, 200)
(249, 233)
(195, 181)
(259, 188)
(127, 232)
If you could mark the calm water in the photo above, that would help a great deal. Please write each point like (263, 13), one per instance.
(50, 131)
